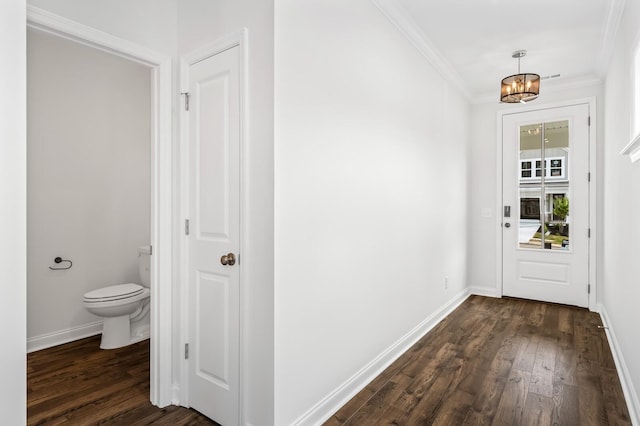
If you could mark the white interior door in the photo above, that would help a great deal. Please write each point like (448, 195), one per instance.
(214, 236)
(545, 186)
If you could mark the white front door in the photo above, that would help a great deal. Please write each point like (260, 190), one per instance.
(545, 215)
(214, 237)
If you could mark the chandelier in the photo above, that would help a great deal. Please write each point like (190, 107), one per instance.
(519, 87)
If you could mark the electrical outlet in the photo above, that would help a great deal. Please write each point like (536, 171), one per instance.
(446, 283)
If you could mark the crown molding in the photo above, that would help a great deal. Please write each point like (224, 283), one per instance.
(609, 33)
(400, 18)
(632, 149)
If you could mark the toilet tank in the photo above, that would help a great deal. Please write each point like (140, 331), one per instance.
(144, 265)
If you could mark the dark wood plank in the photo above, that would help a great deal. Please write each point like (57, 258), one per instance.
(538, 410)
(566, 361)
(431, 402)
(612, 390)
(455, 409)
(565, 400)
(78, 383)
(415, 387)
(502, 362)
(544, 367)
(379, 403)
(526, 356)
(486, 404)
(590, 396)
(512, 402)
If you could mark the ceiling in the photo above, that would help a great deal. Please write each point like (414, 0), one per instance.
(471, 41)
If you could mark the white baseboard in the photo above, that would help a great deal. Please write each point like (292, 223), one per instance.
(630, 395)
(175, 395)
(56, 338)
(324, 409)
(485, 291)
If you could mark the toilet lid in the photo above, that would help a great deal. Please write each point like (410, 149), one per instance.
(121, 291)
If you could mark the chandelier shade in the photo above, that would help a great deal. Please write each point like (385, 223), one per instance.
(521, 87)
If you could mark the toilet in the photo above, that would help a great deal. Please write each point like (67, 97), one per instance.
(124, 307)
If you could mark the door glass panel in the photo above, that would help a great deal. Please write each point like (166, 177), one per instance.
(543, 176)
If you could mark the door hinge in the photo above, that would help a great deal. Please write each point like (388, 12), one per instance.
(186, 100)
(150, 250)
(186, 227)
(186, 351)
(589, 233)
(589, 177)
(589, 121)
(588, 288)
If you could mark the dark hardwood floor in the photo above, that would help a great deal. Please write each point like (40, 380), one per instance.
(492, 361)
(499, 362)
(79, 384)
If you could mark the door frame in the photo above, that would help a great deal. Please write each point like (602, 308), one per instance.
(161, 182)
(592, 219)
(237, 39)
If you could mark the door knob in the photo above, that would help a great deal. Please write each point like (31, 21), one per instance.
(228, 259)
(507, 225)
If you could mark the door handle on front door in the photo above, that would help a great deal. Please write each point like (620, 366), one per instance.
(507, 225)
(228, 259)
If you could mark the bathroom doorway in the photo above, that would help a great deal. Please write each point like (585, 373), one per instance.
(88, 181)
(77, 126)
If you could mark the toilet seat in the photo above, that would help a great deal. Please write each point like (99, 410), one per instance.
(113, 293)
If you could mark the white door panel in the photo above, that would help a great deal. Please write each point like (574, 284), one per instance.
(544, 272)
(214, 210)
(545, 192)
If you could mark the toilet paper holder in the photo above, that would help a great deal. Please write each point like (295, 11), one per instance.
(60, 260)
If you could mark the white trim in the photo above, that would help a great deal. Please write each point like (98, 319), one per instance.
(499, 200)
(591, 102)
(331, 403)
(161, 239)
(60, 337)
(593, 204)
(161, 217)
(632, 149)
(62, 27)
(402, 20)
(634, 69)
(175, 394)
(236, 39)
(630, 394)
(485, 291)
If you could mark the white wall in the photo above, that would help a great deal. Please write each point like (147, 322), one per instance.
(13, 212)
(622, 203)
(484, 175)
(371, 194)
(200, 22)
(88, 180)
